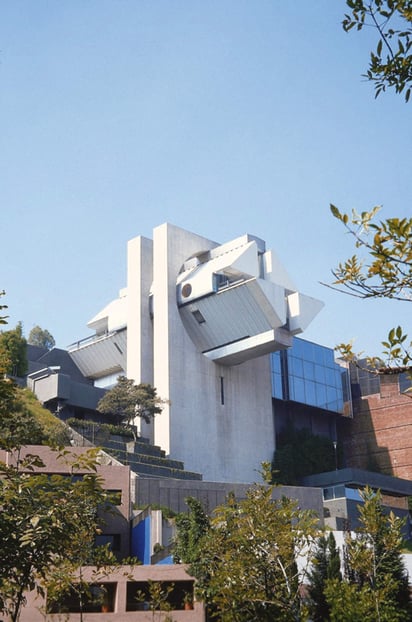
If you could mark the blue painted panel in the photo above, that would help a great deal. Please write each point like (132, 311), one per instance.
(140, 541)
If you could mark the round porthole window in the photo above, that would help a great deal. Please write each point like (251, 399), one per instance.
(186, 290)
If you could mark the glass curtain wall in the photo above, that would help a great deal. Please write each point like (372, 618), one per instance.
(308, 373)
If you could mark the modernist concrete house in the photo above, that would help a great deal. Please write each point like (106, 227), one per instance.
(198, 321)
(215, 328)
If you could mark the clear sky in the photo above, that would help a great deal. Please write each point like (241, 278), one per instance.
(219, 116)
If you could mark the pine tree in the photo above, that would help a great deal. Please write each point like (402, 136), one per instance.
(190, 528)
(326, 566)
(376, 577)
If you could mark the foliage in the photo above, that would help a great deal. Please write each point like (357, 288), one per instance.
(47, 527)
(375, 573)
(300, 453)
(106, 428)
(246, 562)
(325, 566)
(390, 64)
(388, 245)
(126, 401)
(54, 432)
(23, 421)
(167, 513)
(18, 425)
(41, 337)
(47, 523)
(157, 595)
(384, 272)
(350, 603)
(3, 318)
(387, 270)
(13, 351)
(190, 528)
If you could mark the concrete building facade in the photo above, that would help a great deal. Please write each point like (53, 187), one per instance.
(198, 320)
(115, 478)
(119, 596)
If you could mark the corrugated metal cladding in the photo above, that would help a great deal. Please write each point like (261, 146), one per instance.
(102, 356)
(230, 315)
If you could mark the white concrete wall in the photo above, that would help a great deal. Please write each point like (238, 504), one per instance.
(407, 559)
(139, 323)
(224, 442)
(172, 246)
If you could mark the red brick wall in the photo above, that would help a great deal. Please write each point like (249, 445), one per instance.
(380, 435)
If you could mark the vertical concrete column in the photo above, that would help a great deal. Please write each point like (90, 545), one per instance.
(218, 418)
(171, 344)
(139, 322)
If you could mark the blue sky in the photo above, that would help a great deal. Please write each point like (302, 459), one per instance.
(222, 117)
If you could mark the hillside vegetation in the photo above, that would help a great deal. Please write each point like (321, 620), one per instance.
(52, 430)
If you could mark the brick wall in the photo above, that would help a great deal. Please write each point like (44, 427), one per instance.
(380, 435)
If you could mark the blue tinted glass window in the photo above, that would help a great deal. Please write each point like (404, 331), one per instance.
(295, 366)
(320, 373)
(276, 362)
(328, 357)
(321, 399)
(277, 386)
(310, 352)
(332, 396)
(298, 347)
(311, 376)
(309, 370)
(297, 390)
(311, 393)
(329, 376)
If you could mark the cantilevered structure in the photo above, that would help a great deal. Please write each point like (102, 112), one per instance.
(198, 320)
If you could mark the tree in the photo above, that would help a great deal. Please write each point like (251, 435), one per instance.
(53, 431)
(18, 426)
(47, 525)
(190, 528)
(325, 566)
(3, 318)
(13, 350)
(383, 270)
(390, 64)
(376, 578)
(246, 562)
(41, 337)
(126, 401)
(23, 420)
(157, 597)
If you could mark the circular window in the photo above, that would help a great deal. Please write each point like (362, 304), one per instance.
(186, 290)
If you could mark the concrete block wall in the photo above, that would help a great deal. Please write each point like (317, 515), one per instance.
(34, 611)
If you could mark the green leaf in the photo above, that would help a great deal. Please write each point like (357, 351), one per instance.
(379, 48)
(336, 213)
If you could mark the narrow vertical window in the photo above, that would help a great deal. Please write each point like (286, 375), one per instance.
(222, 390)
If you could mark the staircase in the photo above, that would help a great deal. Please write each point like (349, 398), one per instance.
(144, 459)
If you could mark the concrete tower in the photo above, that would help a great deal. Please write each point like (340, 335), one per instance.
(200, 319)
